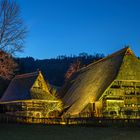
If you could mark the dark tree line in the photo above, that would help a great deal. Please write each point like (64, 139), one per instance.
(55, 69)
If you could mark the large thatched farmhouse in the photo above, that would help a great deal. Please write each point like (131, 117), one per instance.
(29, 95)
(109, 87)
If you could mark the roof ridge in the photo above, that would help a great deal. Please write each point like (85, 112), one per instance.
(107, 57)
(26, 75)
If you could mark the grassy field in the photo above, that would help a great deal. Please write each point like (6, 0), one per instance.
(45, 132)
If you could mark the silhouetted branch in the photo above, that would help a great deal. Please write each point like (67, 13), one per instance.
(12, 28)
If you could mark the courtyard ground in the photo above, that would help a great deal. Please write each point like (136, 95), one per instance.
(62, 132)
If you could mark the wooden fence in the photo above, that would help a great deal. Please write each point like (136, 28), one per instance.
(71, 121)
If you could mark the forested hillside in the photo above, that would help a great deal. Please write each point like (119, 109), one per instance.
(54, 69)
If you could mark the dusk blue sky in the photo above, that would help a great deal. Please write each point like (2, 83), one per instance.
(59, 27)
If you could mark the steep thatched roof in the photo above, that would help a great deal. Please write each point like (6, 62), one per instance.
(20, 88)
(89, 83)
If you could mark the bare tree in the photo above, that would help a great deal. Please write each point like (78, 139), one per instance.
(12, 28)
(12, 36)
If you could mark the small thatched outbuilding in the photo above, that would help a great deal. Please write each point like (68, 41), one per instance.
(29, 95)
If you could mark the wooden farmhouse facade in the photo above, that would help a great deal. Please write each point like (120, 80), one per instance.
(29, 95)
(108, 88)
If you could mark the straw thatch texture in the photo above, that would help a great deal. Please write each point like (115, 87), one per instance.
(88, 84)
(22, 87)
